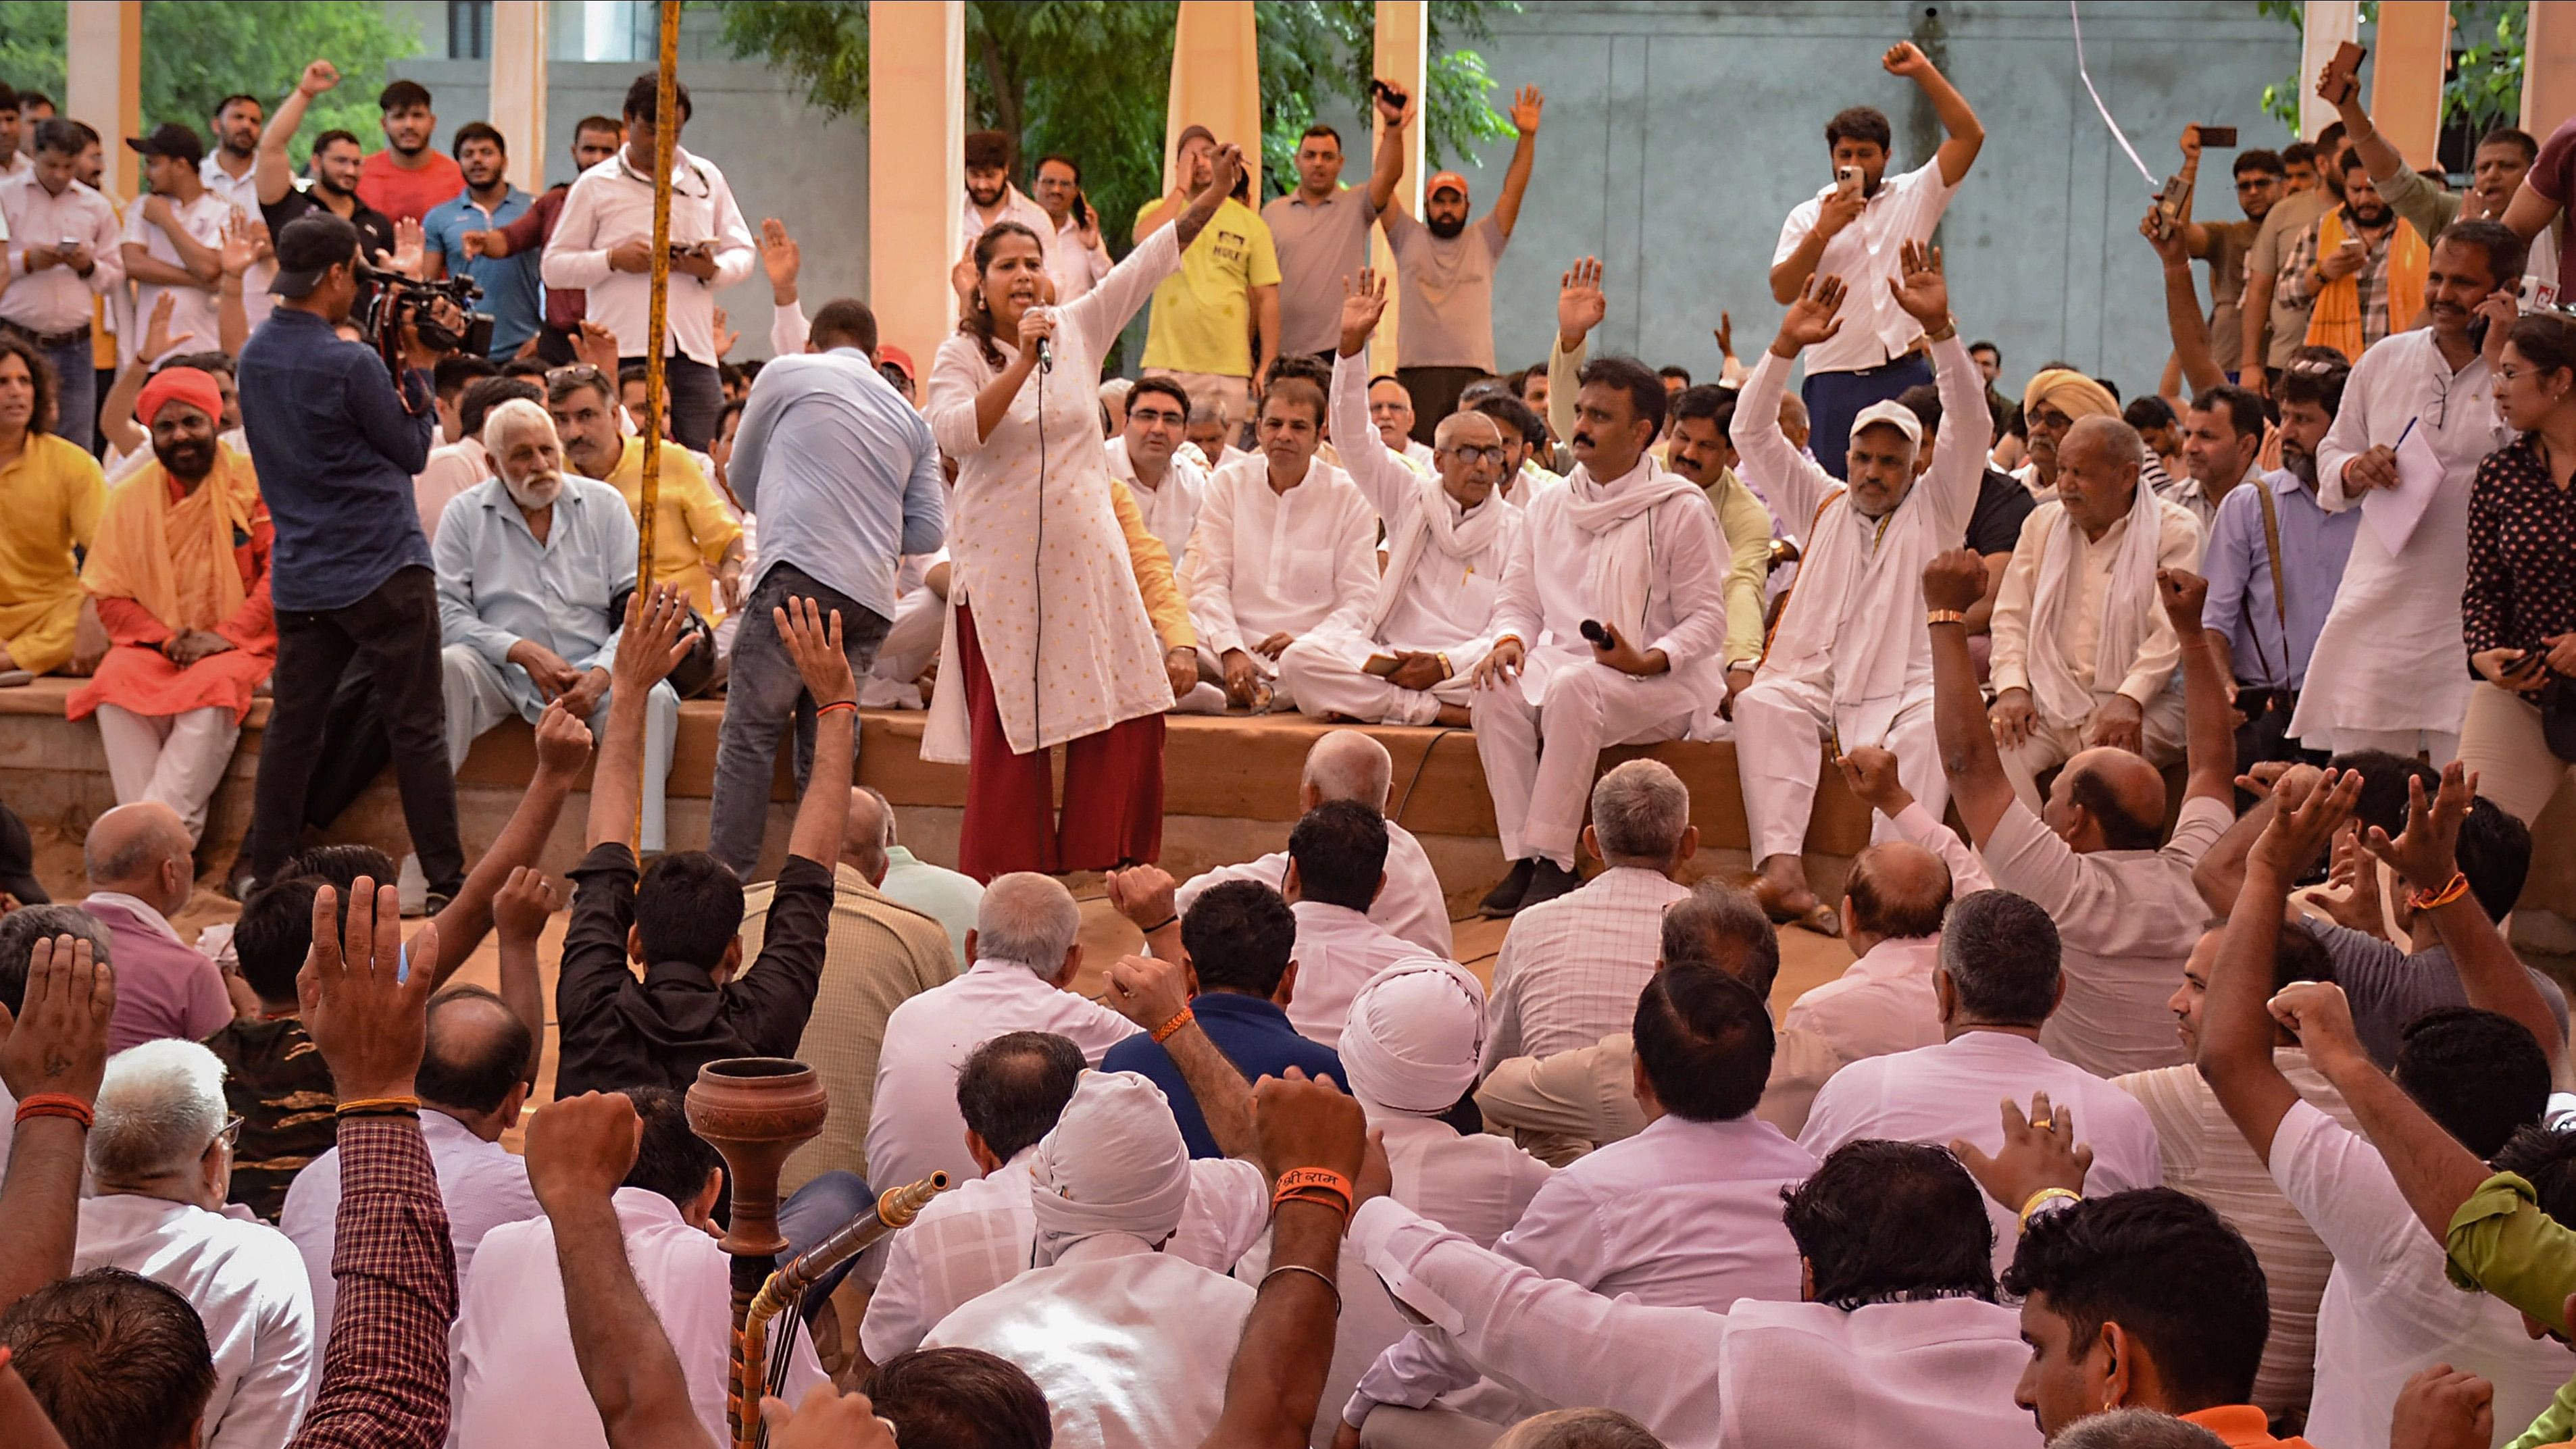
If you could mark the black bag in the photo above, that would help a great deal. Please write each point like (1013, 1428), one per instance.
(2558, 716)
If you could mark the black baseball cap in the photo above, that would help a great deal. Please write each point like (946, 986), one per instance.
(173, 140)
(309, 246)
(18, 861)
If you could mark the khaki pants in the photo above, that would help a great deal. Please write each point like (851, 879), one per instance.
(2501, 744)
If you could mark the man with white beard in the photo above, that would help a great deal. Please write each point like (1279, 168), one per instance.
(533, 564)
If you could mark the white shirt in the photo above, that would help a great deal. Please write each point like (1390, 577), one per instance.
(57, 299)
(1570, 969)
(482, 1183)
(1882, 1004)
(1682, 1215)
(2389, 1309)
(1264, 562)
(2126, 921)
(1338, 951)
(1954, 1091)
(609, 204)
(976, 1238)
(513, 1380)
(914, 1127)
(1131, 1346)
(243, 192)
(1410, 905)
(1762, 1375)
(2389, 655)
(247, 1284)
(1075, 267)
(1864, 254)
(1444, 602)
(1170, 509)
(192, 309)
(1015, 205)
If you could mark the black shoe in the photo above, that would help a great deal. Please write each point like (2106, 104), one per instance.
(1548, 882)
(436, 901)
(241, 884)
(1504, 899)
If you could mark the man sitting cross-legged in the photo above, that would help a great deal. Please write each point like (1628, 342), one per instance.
(1851, 662)
(1449, 538)
(530, 562)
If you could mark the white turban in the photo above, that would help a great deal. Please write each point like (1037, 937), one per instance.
(1114, 1163)
(1414, 1035)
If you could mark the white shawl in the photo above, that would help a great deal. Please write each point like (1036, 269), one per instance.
(2063, 698)
(1621, 568)
(1436, 524)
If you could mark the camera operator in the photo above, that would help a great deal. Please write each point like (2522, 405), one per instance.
(336, 444)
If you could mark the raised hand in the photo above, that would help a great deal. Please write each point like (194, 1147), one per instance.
(240, 246)
(2182, 592)
(2317, 1013)
(1148, 990)
(2038, 1152)
(1580, 305)
(1725, 334)
(1526, 108)
(2172, 248)
(319, 76)
(411, 245)
(1223, 168)
(157, 336)
(780, 258)
(2443, 1408)
(1954, 580)
(597, 347)
(1871, 773)
(1906, 59)
(1143, 894)
(2301, 828)
(58, 1042)
(563, 743)
(1920, 287)
(815, 645)
(1812, 319)
(581, 1148)
(1363, 303)
(367, 1025)
(521, 906)
(1308, 1124)
(653, 643)
(2426, 853)
(1394, 105)
(726, 337)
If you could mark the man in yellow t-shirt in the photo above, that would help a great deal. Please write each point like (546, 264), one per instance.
(1206, 314)
(697, 543)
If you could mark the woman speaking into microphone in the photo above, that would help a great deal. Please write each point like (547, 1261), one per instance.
(1048, 642)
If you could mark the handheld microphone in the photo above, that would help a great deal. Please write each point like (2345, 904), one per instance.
(1046, 355)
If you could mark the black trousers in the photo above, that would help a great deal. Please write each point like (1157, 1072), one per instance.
(394, 633)
(695, 395)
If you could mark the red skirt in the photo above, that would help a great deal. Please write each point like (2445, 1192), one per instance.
(1113, 789)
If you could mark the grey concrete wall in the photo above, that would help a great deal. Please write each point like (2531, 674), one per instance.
(1680, 132)
(782, 157)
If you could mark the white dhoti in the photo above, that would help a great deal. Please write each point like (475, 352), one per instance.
(1780, 740)
(1325, 678)
(906, 652)
(1583, 707)
(2049, 745)
(1209, 696)
(477, 701)
(177, 759)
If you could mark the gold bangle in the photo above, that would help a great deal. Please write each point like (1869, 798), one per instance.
(1946, 616)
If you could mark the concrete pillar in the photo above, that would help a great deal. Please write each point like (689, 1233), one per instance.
(1216, 83)
(1403, 48)
(916, 169)
(2413, 51)
(2549, 67)
(2323, 25)
(103, 86)
(518, 104)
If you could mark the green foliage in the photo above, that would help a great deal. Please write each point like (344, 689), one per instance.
(1319, 54)
(196, 52)
(2484, 87)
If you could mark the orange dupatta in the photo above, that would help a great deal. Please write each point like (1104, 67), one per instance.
(2335, 319)
(175, 558)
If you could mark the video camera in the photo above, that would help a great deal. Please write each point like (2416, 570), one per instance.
(391, 297)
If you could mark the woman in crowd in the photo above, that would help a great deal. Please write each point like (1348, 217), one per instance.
(2518, 609)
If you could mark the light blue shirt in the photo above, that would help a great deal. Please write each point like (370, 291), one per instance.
(841, 470)
(497, 585)
(511, 292)
(2314, 544)
(944, 895)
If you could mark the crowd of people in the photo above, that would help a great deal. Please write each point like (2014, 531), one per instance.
(2184, 1088)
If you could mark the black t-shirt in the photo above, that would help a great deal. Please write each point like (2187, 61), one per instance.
(375, 229)
(2002, 503)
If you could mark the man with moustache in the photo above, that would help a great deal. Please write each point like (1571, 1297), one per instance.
(2359, 269)
(231, 171)
(488, 202)
(179, 568)
(334, 166)
(1448, 539)
(1700, 451)
(406, 179)
(534, 565)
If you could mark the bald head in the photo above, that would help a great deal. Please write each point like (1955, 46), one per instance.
(475, 1053)
(140, 850)
(1348, 765)
(2118, 794)
(865, 834)
(1897, 889)
(2103, 436)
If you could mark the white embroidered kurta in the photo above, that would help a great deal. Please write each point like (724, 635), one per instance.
(1034, 547)
(1264, 562)
(1131, 1346)
(2390, 657)
(1170, 510)
(1443, 601)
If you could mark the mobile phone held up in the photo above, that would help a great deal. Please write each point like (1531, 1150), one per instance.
(2218, 137)
(1847, 180)
(2343, 72)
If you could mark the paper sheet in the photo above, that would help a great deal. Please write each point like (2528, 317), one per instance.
(2392, 513)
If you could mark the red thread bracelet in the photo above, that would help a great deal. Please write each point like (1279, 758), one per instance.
(1164, 1032)
(55, 1104)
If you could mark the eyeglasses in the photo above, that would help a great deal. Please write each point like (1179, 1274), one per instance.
(1153, 415)
(230, 1133)
(1495, 456)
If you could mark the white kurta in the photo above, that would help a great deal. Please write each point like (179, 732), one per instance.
(1131, 1346)
(1264, 562)
(1411, 904)
(1035, 548)
(1171, 510)
(1338, 951)
(2390, 657)
(1445, 601)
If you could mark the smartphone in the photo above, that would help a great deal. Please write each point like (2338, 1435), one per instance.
(1846, 180)
(2169, 204)
(1387, 91)
(2342, 73)
(1081, 209)
(1381, 665)
(2220, 136)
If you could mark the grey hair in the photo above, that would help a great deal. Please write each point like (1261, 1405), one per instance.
(1723, 926)
(2123, 441)
(1640, 810)
(508, 416)
(1579, 1429)
(159, 1108)
(1029, 919)
(1350, 765)
(22, 928)
(2000, 952)
(2135, 1429)
(885, 810)
(1209, 403)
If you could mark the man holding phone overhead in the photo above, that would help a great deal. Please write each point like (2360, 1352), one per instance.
(1078, 257)
(1853, 229)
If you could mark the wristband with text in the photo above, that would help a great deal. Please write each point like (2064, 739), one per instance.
(1946, 616)
(1319, 1185)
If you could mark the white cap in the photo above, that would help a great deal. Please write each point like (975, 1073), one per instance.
(1894, 414)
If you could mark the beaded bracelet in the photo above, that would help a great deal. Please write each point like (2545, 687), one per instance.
(1164, 1032)
(55, 1104)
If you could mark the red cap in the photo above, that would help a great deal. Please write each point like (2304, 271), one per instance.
(1452, 179)
(891, 355)
(189, 385)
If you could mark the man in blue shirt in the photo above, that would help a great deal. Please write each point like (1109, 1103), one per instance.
(846, 480)
(511, 291)
(336, 445)
(1239, 935)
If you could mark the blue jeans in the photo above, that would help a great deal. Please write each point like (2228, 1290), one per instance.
(75, 388)
(1835, 398)
(814, 1212)
(763, 693)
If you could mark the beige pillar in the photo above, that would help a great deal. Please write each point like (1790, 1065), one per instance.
(2413, 50)
(2549, 67)
(1216, 83)
(1403, 48)
(916, 168)
(2323, 25)
(103, 46)
(518, 104)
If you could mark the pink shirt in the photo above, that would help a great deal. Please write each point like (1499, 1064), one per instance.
(164, 986)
